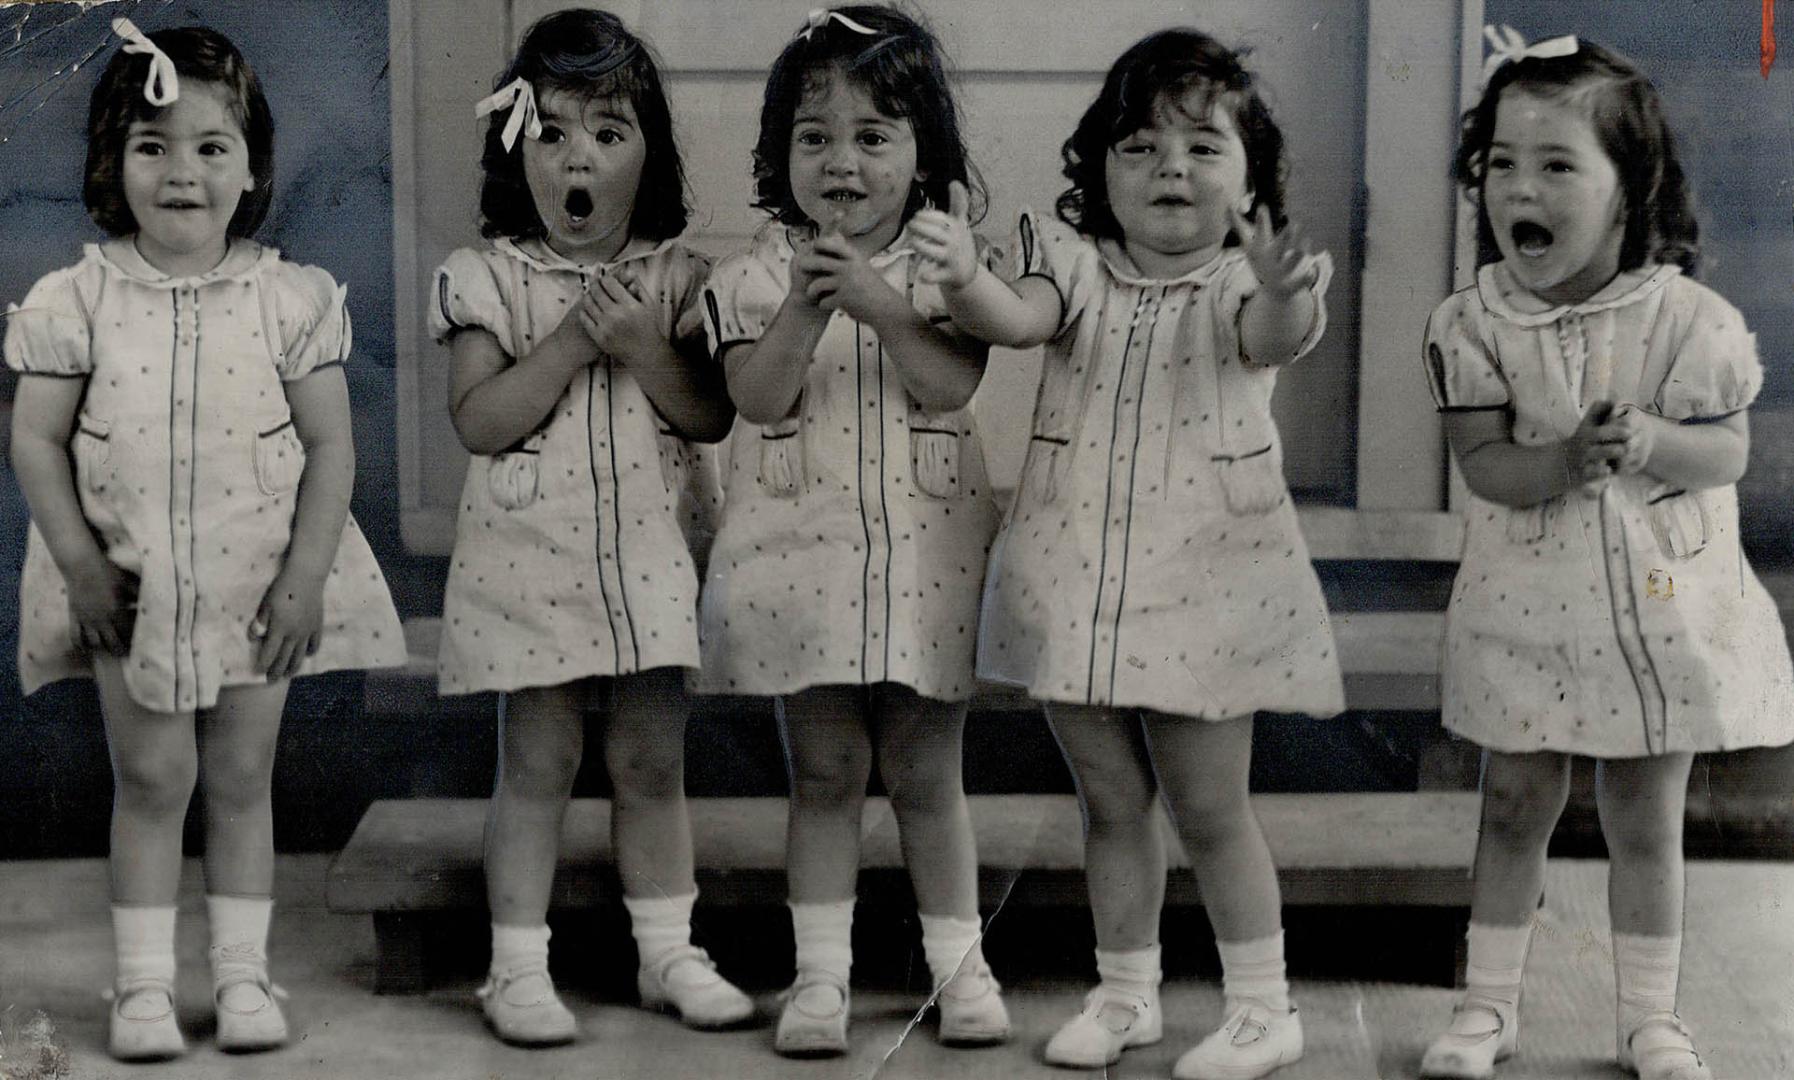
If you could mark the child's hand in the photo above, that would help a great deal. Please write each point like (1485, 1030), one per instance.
(287, 624)
(1277, 258)
(618, 321)
(1588, 454)
(103, 607)
(1629, 435)
(840, 279)
(950, 259)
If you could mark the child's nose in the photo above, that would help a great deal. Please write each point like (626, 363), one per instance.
(1174, 163)
(841, 161)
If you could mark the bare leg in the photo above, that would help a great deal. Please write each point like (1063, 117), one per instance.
(541, 740)
(644, 751)
(1641, 801)
(830, 758)
(1523, 796)
(154, 766)
(1203, 767)
(1124, 861)
(920, 755)
(237, 771)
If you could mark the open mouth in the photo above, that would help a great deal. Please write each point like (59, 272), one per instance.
(578, 205)
(181, 204)
(844, 196)
(1531, 239)
(1175, 201)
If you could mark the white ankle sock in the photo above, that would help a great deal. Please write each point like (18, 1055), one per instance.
(518, 946)
(1645, 967)
(1496, 965)
(1254, 969)
(824, 936)
(659, 924)
(1134, 970)
(950, 944)
(143, 938)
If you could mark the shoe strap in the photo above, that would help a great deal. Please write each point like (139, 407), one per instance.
(1473, 1005)
(140, 984)
(1105, 1000)
(680, 954)
(1661, 1035)
(498, 980)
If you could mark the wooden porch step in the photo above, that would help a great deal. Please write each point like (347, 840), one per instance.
(411, 859)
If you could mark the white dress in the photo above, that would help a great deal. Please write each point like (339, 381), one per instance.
(1623, 620)
(1152, 556)
(187, 465)
(573, 549)
(855, 531)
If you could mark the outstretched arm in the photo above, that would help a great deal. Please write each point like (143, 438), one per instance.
(1277, 318)
(980, 303)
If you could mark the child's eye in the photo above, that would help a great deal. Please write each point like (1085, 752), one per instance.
(810, 138)
(214, 149)
(1500, 163)
(873, 138)
(1560, 166)
(609, 136)
(148, 148)
(552, 135)
(1134, 148)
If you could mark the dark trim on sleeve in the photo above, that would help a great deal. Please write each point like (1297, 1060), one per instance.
(1472, 408)
(1717, 418)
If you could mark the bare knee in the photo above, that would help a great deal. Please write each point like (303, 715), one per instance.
(916, 792)
(157, 782)
(829, 776)
(641, 772)
(1521, 809)
(1215, 816)
(539, 768)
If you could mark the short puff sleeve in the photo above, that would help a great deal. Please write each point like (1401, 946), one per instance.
(465, 295)
(687, 273)
(1715, 371)
(1460, 367)
(743, 295)
(51, 332)
(309, 313)
(1049, 248)
(1240, 284)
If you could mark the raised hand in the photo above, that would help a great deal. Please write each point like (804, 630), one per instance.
(841, 279)
(944, 239)
(1277, 258)
(1589, 454)
(1629, 437)
(619, 321)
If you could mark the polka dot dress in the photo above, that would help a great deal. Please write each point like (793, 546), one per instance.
(855, 532)
(187, 465)
(1619, 620)
(573, 549)
(1152, 556)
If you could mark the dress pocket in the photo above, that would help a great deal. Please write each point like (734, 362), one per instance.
(675, 461)
(934, 453)
(1251, 483)
(1048, 458)
(279, 459)
(513, 477)
(782, 457)
(1679, 520)
(91, 446)
(1531, 524)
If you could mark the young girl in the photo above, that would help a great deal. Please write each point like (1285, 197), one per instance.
(1151, 585)
(1594, 396)
(182, 436)
(579, 376)
(846, 571)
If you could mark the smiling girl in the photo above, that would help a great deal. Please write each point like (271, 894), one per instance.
(1595, 398)
(579, 383)
(846, 572)
(182, 434)
(1151, 585)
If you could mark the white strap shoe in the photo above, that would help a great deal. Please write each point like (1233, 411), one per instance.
(1661, 1048)
(524, 1010)
(1111, 1021)
(1479, 1036)
(1255, 1040)
(684, 981)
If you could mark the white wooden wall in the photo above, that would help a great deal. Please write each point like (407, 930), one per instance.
(1367, 92)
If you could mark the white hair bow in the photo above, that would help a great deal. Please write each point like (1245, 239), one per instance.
(163, 85)
(1506, 45)
(821, 17)
(519, 97)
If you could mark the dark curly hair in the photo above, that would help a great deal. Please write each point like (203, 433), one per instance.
(900, 68)
(200, 54)
(1158, 69)
(590, 54)
(1627, 116)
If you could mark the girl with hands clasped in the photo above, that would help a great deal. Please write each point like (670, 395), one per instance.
(1151, 585)
(1594, 396)
(182, 434)
(846, 573)
(580, 384)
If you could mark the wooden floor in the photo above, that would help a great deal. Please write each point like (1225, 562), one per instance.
(1738, 978)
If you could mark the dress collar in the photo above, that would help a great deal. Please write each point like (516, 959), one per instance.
(242, 259)
(537, 254)
(1121, 266)
(1506, 297)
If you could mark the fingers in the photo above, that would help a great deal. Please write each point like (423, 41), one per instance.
(959, 201)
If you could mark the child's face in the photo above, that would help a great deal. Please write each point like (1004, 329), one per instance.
(584, 171)
(1172, 183)
(185, 170)
(1553, 198)
(852, 167)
